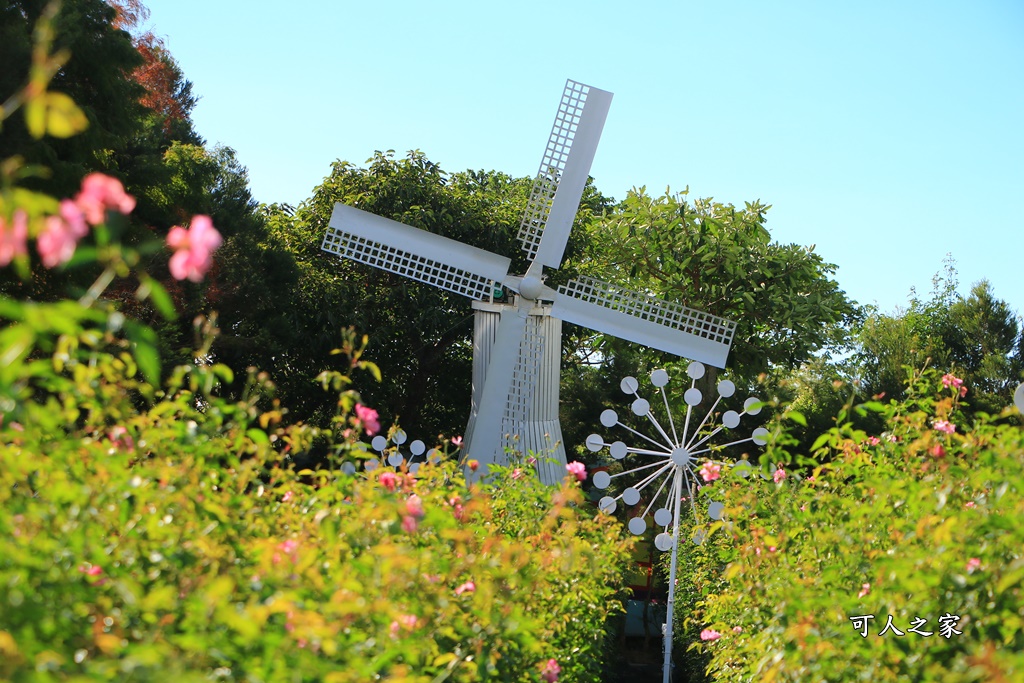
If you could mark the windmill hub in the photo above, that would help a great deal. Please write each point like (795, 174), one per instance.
(531, 287)
(681, 456)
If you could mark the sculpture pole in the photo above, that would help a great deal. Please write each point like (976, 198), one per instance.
(677, 487)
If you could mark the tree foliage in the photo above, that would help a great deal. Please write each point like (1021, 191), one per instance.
(721, 260)
(978, 337)
(420, 333)
(138, 108)
(96, 72)
(715, 258)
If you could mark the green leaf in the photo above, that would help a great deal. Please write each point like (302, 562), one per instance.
(155, 292)
(257, 436)
(56, 114)
(15, 342)
(797, 416)
(82, 256)
(144, 347)
(11, 309)
(160, 598)
(226, 374)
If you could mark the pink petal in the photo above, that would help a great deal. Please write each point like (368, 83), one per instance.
(204, 234)
(177, 238)
(12, 240)
(178, 265)
(56, 244)
(74, 218)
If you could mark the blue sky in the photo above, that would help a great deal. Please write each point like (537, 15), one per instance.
(888, 134)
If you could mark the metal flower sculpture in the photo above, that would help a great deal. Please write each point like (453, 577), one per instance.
(393, 456)
(681, 462)
(418, 453)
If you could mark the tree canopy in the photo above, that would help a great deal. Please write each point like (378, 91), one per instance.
(420, 335)
(138, 107)
(720, 259)
(977, 337)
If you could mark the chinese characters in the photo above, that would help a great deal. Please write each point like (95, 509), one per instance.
(947, 626)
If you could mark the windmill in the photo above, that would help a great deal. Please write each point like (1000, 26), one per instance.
(516, 350)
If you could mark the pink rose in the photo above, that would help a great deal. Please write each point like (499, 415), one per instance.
(74, 219)
(57, 242)
(12, 239)
(193, 249)
(949, 381)
(368, 417)
(120, 438)
(550, 671)
(414, 506)
(99, 193)
(94, 571)
(710, 471)
(577, 469)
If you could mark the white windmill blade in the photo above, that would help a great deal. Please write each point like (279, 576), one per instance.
(414, 253)
(484, 441)
(645, 319)
(564, 170)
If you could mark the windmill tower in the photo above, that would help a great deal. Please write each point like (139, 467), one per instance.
(517, 346)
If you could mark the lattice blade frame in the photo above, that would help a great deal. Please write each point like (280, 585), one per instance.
(524, 379)
(433, 259)
(558, 187)
(645, 319)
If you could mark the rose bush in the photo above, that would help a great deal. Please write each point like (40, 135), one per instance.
(182, 548)
(837, 571)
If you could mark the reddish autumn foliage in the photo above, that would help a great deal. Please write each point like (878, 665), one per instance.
(130, 13)
(167, 91)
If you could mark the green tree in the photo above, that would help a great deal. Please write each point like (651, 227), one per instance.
(96, 74)
(720, 259)
(978, 338)
(138, 105)
(420, 334)
(716, 258)
(985, 341)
